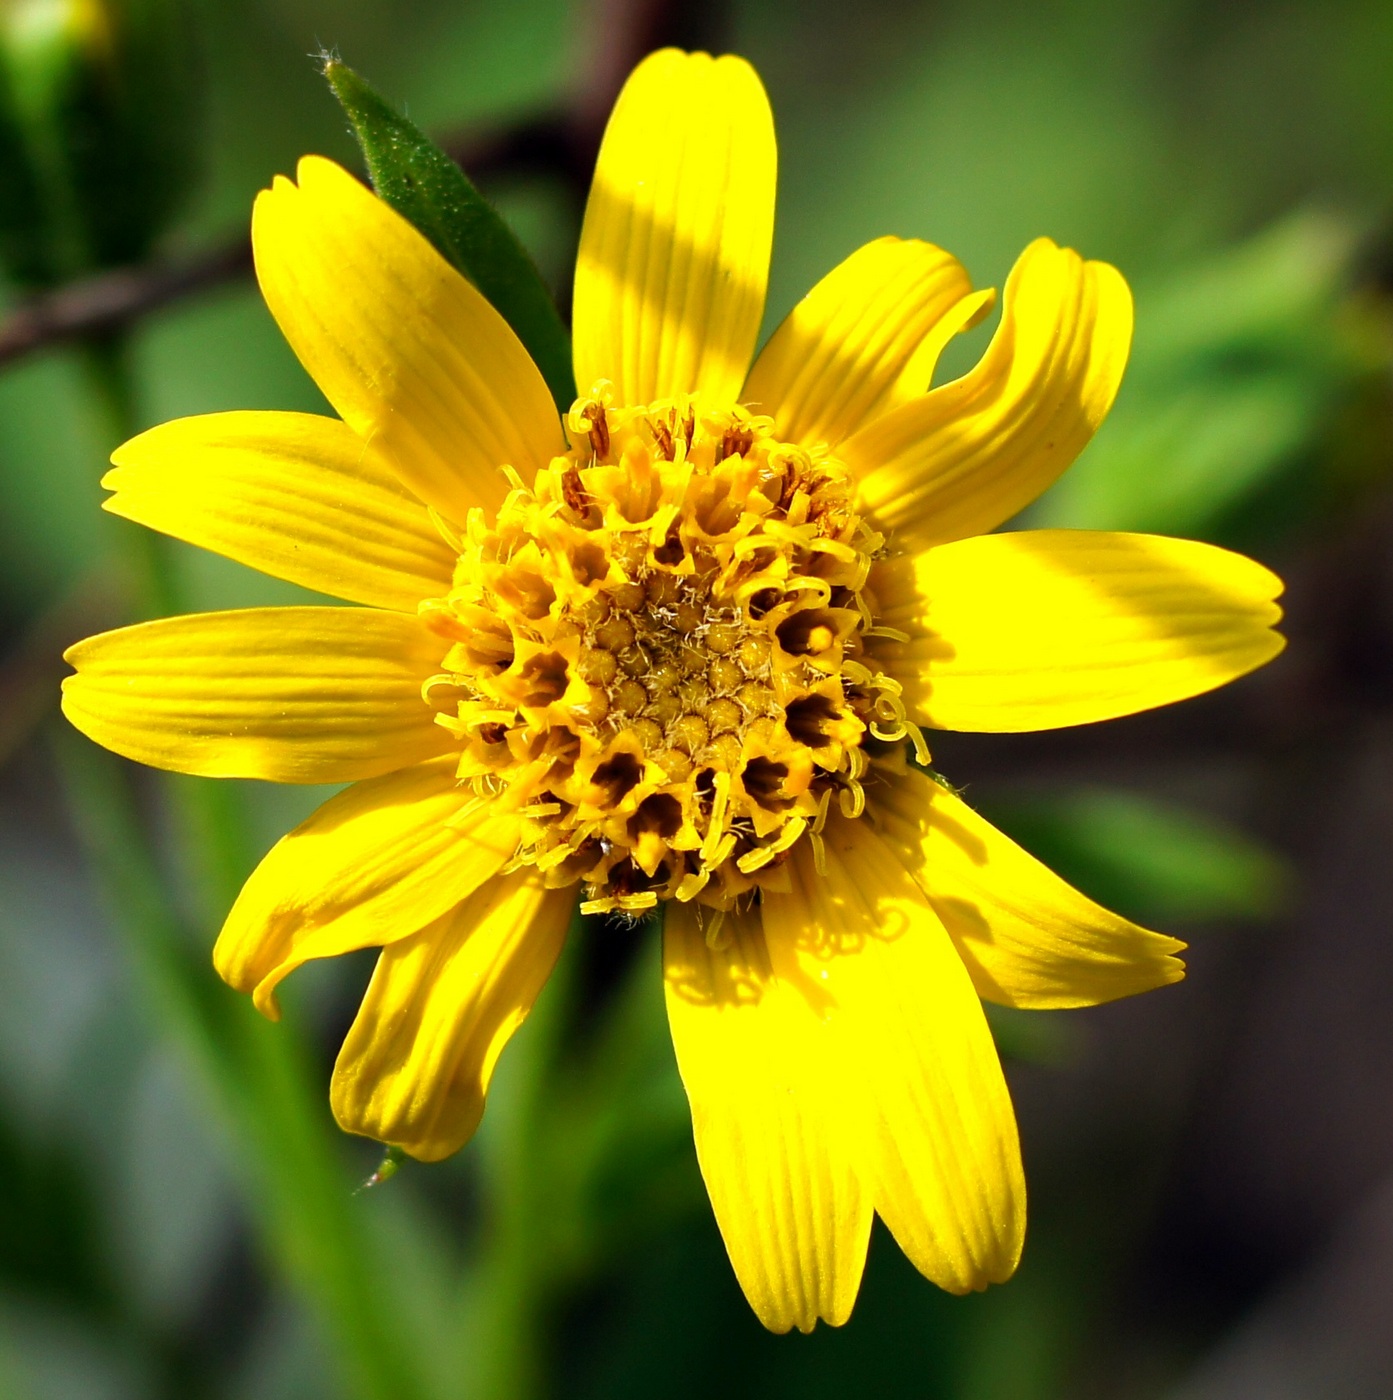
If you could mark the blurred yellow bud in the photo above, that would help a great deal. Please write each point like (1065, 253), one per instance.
(98, 131)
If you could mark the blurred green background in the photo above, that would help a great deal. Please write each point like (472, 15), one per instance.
(1211, 1166)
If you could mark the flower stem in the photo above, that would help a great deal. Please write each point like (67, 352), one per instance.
(509, 1287)
(259, 1075)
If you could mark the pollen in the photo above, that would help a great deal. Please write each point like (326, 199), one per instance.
(658, 655)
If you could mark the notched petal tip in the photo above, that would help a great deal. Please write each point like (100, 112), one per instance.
(673, 262)
(415, 1066)
(965, 457)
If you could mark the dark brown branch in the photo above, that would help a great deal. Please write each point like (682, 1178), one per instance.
(98, 305)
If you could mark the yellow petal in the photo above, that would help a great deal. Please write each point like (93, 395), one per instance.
(1028, 938)
(769, 1103)
(297, 496)
(373, 864)
(962, 458)
(863, 341)
(1046, 628)
(411, 356)
(674, 253)
(939, 1145)
(293, 695)
(441, 1006)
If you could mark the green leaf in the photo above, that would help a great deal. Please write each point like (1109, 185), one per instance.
(412, 174)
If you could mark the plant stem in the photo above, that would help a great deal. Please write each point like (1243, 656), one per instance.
(509, 1288)
(259, 1074)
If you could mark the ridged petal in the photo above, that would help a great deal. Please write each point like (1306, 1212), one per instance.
(770, 1110)
(372, 865)
(1028, 938)
(863, 341)
(1045, 628)
(939, 1147)
(442, 1004)
(963, 458)
(411, 356)
(674, 252)
(292, 695)
(297, 496)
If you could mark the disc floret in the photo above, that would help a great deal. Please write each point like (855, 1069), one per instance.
(658, 655)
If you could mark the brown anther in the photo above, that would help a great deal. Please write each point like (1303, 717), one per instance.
(573, 490)
(735, 443)
(493, 733)
(662, 436)
(594, 414)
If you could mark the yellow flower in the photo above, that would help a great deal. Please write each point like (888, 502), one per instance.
(676, 651)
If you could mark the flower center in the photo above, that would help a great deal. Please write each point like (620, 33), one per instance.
(658, 655)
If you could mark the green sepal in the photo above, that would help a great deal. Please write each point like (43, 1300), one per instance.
(412, 174)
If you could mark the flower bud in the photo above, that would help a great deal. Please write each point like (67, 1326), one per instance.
(98, 131)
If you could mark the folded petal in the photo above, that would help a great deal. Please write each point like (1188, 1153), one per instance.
(1028, 938)
(674, 252)
(292, 695)
(297, 496)
(372, 865)
(771, 1113)
(1045, 628)
(409, 353)
(441, 1006)
(962, 458)
(863, 341)
(939, 1146)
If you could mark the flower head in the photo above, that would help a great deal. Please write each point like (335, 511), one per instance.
(679, 650)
